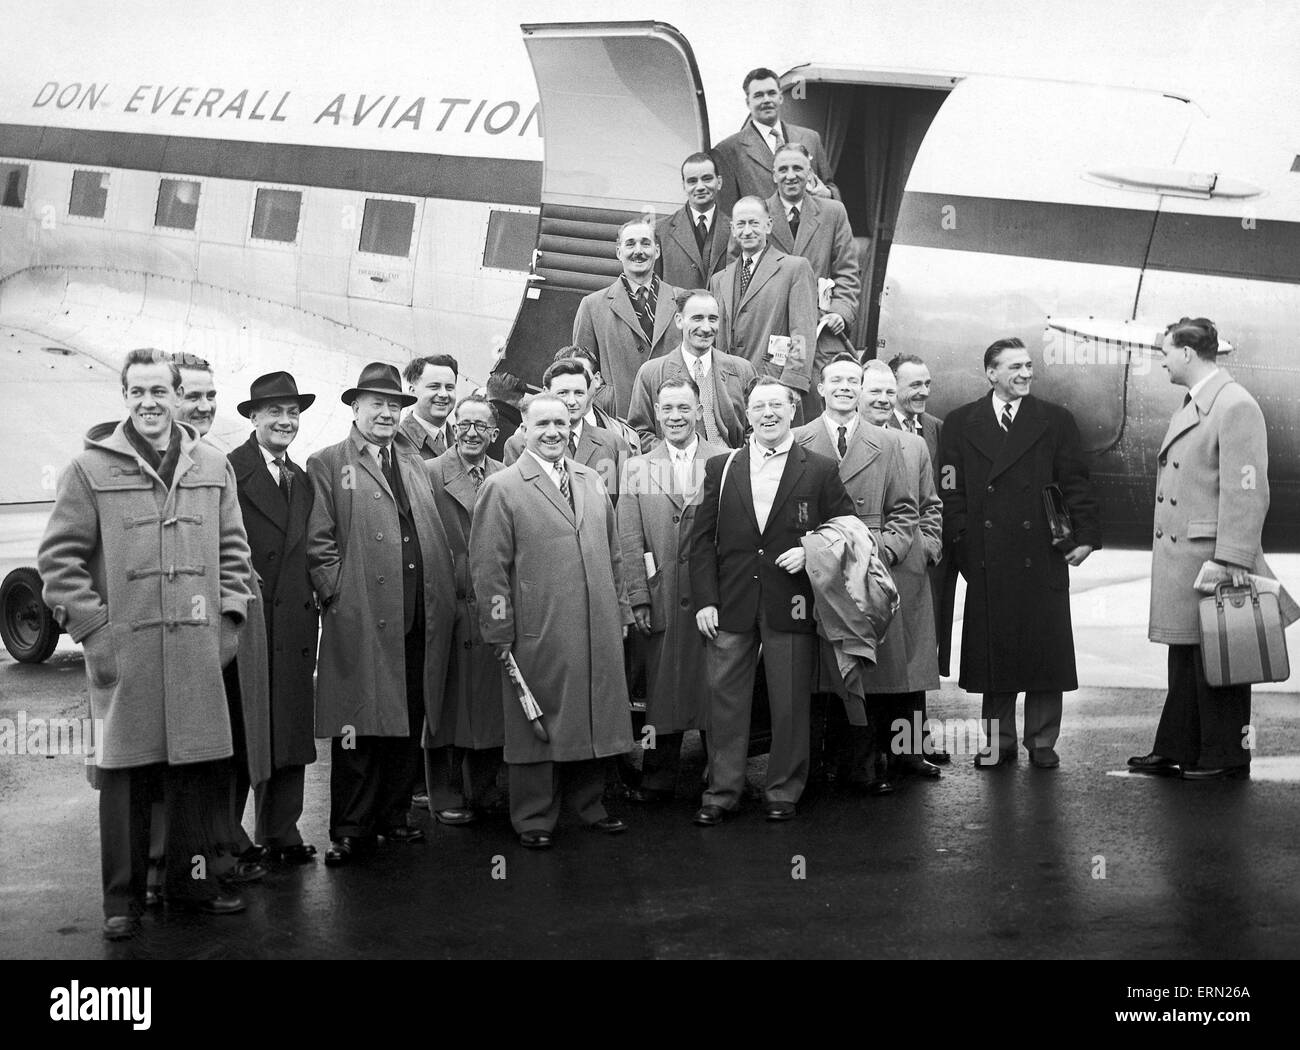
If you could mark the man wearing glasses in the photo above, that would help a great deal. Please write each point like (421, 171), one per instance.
(463, 757)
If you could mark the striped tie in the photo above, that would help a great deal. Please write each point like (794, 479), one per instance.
(565, 490)
(705, 383)
(746, 273)
(1006, 418)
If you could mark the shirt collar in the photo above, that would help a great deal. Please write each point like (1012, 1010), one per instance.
(707, 216)
(552, 469)
(766, 132)
(833, 428)
(705, 359)
(1196, 387)
(999, 404)
(759, 453)
(269, 457)
(433, 431)
(687, 453)
(629, 287)
(902, 418)
(577, 431)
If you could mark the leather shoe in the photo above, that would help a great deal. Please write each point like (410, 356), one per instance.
(224, 904)
(302, 853)
(345, 849)
(938, 757)
(709, 816)
(455, 817)
(779, 811)
(420, 799)
(255, 853)
(121, 927)
(648, 795)
(404, 833)
(1044, 758)
(535, 839)
(1218, 773)
(983, 759)
(152, 898)
(1153, 765)
(243, 872)
(879, 787)
(609, 825)
(916, 766)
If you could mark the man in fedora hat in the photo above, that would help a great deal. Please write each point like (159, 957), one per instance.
(276, 498)
(381, 566)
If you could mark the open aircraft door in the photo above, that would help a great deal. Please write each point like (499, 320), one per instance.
(621, 105)
(1007, 226)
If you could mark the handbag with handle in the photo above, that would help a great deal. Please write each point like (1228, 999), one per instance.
(1242, 637)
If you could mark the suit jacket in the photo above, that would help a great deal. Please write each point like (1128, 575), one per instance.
(1016, 634)
(471, 710)
(733, 562)
(826, 241)
(931, 429)
(607, 325)
(355, 554)
(601, 450)
(549, 582)
(781, 300)
(680, 262)
(655, 516)
(744, 163)
(277, 534)
(1211, 498)
(427, 446)
(730, 376)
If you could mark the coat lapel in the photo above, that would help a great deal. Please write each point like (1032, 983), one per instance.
(739, 476)
(719, 242)
(532, 471)
(1029, 426)
(665, 310)
(458, 484)
(810, 212)
(684, 234)
(794, 470)
(864, 449)
(781, 236)
(259, 488)
(1190, 414)
(762, 272)
(362, 449)
(618, 302)
(757, 148)
(299, 505)
(984, 432)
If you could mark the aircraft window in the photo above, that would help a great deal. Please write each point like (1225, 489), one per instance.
(13, 177)
(89, 194)
(386, 227)
(275, 215)
(511, 238)
(178, 204)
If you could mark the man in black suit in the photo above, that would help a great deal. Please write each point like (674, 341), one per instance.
(275, 497)
(745, 158)
(996, 455)
(747, 568)
(693, 240)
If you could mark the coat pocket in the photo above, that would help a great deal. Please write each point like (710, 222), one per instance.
(1202, 530)
(100, 654)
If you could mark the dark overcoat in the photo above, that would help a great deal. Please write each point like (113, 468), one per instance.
(1016, 635)
(277, 534)
(548, 580)
(471, 710)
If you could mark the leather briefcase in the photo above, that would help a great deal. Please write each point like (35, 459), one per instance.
(1242, 637)
(1058, 519)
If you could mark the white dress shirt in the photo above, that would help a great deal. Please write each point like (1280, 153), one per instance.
(552, 469)
(773, 136)
(1195, 388)
(903, 417)
(707, 216)
(765, 470)
(435, 432)
(683, 461)
(999, 404)
(833, 428)
(269, 458)
(705, 359)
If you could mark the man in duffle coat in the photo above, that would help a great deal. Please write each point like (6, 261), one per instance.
(656, 513)
(463, 757)
(275, 497)
(381, 566)
(145, 562)
(996, 456)
(548, 582)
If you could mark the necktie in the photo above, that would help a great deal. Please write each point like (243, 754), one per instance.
(794, 222)
(476, 475)
(644, 312)
(284, 476)
(910, 423)
(746, 272)
(705, 383)
(842, 444)
(1187, 400)
(1006, 418)
(573, 446)
(565, 490)
(777, 139)
(701, 234)
(386, 465)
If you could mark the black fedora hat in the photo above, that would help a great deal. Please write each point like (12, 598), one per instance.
(274, 386)
(379, 378)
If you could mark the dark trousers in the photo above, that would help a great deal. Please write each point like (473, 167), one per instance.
(1201, 725)
(277, 806)
(125, 804)
(460, 776)
(538, 788)
(661, 763)
(1042, 720)
(788, 661)
(370, 783)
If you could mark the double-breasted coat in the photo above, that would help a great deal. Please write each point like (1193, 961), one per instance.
(1211, 498)
(141, 574)
(730, 376)
(548, 581)
(607, 325)
(655, 516)
(472, 715)
(1016, 633)
(277, 534)
(875, 472)
(354, 552)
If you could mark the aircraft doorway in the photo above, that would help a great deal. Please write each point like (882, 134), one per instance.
(872, 125)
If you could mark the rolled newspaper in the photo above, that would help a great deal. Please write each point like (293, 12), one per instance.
(526, 700)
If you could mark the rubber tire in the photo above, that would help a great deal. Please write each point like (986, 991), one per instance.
(22, 588)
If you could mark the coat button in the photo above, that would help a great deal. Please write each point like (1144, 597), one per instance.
(1159, 533)
(676, 518)
(686, 603)
(1163, 461)
(306, 651)
(379, 535)
(375, 494)
(271, 556)
(1173, 501)
(469, 645)
(279, 602)
(406, 539)
(862, 499)
(411, 566)
(760, 550)
(1173, 538)
(1159, 498)
(1026, 524)
(381, 579)
(682, 559)
(988, 524)
(1175, 464)
(990, 488)
(1029, 563)
(383, 624)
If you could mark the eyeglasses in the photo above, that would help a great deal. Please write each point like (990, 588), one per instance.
(768, 406)
(465, 426)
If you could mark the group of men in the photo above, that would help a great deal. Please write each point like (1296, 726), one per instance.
(657, 504)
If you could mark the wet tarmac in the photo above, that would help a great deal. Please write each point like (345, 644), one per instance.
(1004, 864)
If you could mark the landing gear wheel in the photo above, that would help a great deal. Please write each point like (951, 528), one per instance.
(26, 625)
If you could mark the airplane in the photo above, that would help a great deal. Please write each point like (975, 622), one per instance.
(314, 187)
